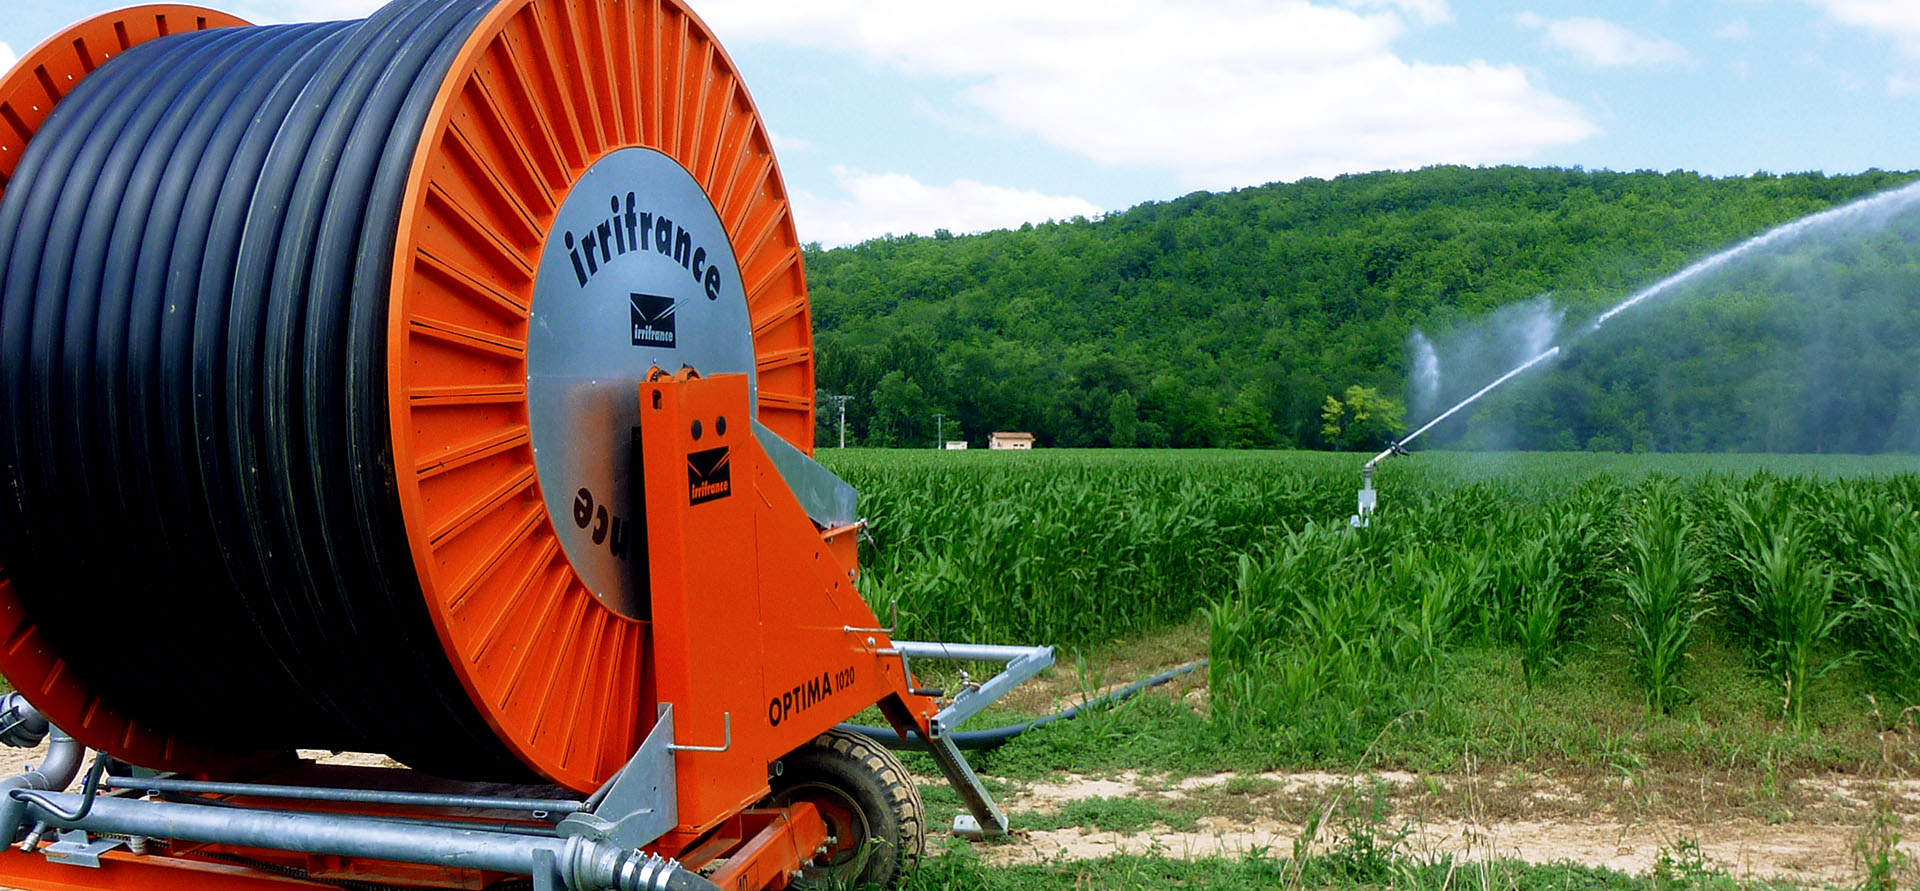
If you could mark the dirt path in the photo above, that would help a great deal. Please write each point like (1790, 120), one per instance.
(1809, 839)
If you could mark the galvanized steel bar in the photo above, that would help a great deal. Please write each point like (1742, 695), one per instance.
(577, 864)
(556, 807)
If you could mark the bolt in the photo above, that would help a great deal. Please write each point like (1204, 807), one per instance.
(33, 838)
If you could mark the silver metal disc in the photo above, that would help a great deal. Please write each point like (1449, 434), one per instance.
(637, 272)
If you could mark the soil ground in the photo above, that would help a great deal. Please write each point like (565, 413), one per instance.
(1803, 829)
(1621, 825)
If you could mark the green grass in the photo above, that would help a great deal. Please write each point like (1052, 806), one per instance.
(1110, 815)
(960, 866)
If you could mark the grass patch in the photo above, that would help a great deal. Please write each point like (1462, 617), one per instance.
(959, 867)
(1113, 815)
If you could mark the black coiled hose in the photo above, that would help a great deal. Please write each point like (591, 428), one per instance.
(195, 256)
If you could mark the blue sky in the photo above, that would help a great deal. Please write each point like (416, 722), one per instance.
(896, 116)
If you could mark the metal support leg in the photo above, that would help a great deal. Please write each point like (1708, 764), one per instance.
(983, 818)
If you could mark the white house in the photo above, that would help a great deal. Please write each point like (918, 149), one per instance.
(956, 445)
(1020, 441)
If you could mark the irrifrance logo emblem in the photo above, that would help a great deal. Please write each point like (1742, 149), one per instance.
(709, 475)
(652, 320)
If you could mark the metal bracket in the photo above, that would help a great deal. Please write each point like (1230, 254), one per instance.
(726, 743)
(983, 818)
(546, 871)
(1020, 664)
(893, 621)
(642, 801)
(76, 848)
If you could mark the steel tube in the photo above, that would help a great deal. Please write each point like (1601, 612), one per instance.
(579, 864)
(500, 825)
(55, 772)
(918, 649)
(560, 807)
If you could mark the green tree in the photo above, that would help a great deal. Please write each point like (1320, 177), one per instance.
(899, 407)
(1123, 418)
(1249, 425)
(1365, 419)
(1309, 286)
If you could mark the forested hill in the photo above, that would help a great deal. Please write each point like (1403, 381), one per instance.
(1227, 319)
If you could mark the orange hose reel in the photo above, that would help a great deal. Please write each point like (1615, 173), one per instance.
(543, 93)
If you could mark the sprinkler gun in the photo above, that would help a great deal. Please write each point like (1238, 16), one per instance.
(1367, 497)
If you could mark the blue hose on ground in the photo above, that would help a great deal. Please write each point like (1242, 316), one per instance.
(997, 736)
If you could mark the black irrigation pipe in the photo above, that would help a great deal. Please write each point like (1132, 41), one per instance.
(195, 260)
(998, 736)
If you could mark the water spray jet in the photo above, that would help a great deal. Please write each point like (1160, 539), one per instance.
(1885, 203)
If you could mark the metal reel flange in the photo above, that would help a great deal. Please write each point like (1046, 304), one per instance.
(529, 297)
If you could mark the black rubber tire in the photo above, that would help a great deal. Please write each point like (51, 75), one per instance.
(847, 772)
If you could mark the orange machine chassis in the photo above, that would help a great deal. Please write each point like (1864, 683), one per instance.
(756, 641)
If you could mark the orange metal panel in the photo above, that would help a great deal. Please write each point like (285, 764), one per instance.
(699, 459)
(786, 838)
(752, 606)
(121, 871)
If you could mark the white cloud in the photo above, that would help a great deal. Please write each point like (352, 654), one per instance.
(1225, 93)
(1736, 30)
(7, 57)
(897, 204)
(270, 12)
(1599, 43)
(1898, 19)
(1901, 85)
(1431, 12)
(787, 143)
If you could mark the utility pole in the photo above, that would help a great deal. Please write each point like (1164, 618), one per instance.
(940, 426)
(840, 402)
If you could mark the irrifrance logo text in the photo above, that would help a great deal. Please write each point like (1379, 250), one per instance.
(636, 230)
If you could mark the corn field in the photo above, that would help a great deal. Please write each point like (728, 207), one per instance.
(1321, 634)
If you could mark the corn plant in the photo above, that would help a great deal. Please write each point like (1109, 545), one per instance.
(1321, 635)
(1544, 607)
(1442, 588)
(1786, 602)
(1660, 577)
(1890, 607)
